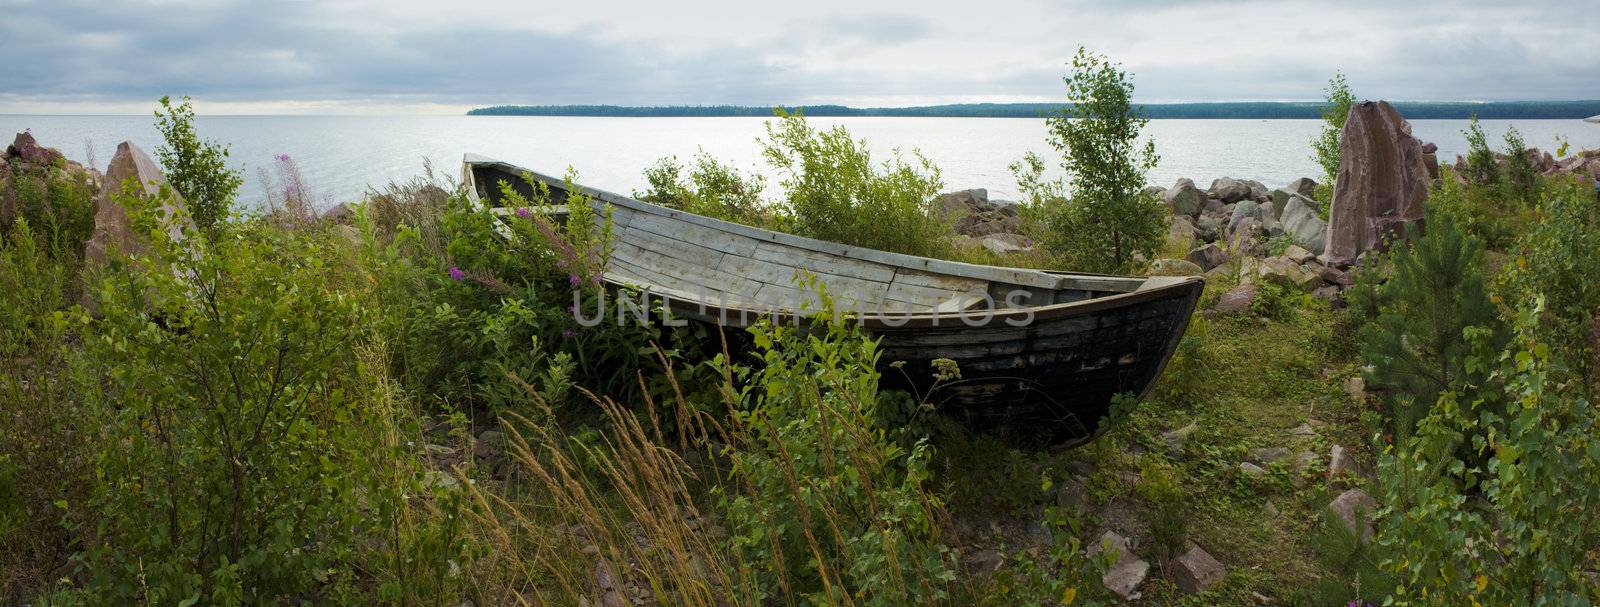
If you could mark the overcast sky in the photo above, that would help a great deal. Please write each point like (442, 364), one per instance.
(443, 56)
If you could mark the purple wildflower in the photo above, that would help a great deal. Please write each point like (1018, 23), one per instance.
(568, 333)
(595, 279)
(282, 157)
(574, 280)
(572, 309)
(523, 212)
(456, 273)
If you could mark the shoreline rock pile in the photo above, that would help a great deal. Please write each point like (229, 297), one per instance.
(992, 224)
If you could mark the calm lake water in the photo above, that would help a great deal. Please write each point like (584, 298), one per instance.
(339, 157)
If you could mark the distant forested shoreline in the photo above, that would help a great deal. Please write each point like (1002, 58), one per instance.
(1246, 109)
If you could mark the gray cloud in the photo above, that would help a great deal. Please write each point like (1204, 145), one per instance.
(419, 52)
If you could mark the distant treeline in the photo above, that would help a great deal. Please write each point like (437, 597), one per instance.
(1241, 109)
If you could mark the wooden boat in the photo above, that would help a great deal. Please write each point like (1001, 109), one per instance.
(1041, 357)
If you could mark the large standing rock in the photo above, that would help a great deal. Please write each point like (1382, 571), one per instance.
(1229, 190)
(1180, 232)
(111, 224)
(1300, 221)
(1382, 181)
(1184, 199)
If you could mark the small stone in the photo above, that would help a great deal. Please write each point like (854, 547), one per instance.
(1298, 254)
(1340, 463)
(1304, 461)
(1261, 599)
(1303, 429)
(1270, 509)
(1267, 455)
(982, 563)
(1080, 468)
(1072, 495)
(1128, 571)
(1196, 571)
(1175, 439)
(1251, 470)
(1355, 508)
(1237, 300)
(1356, 389)
(603, 578)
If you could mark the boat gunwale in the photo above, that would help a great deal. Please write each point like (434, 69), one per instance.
(1027, 277)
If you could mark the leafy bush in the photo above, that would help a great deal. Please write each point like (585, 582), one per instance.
(197, 169)
(44, 443)
(233, 442)
(1325, 146)
(1557, 258)
(1107, 219)
(56, 203)
(835, 192)
(1522, 178)
(711, 188)
(827, 506)
(1482, 168)
(1511, 528)
(1481, 211)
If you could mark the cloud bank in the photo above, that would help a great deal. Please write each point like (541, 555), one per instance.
(300, 56)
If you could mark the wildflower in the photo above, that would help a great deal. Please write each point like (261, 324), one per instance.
(523, 212)
(595, 280)
(568, 333)
(574, 280)
(282, 157)
(456, 273)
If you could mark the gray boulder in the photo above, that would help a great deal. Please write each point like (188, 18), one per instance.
(1304, 186)
(1125, 575)
(1246, 209)
(1006, 244)
(1355, 508)
(1184, 199)
(1300, 221)
(1175, 267)
(1207, 256)
(1229, 190)
(1237, 300)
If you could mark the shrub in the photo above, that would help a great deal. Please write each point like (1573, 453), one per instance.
(57, 204)
(835, 192)
(1482, 168)
(1556, 259)
(826, 505)
(233, 443)
(44, 442)
(197, 169)
(1325, 146)
(1511, 528)
(711, 188)
(1522, 178)
(1108, 219)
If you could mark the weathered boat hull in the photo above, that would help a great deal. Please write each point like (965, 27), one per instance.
(1042, 354)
